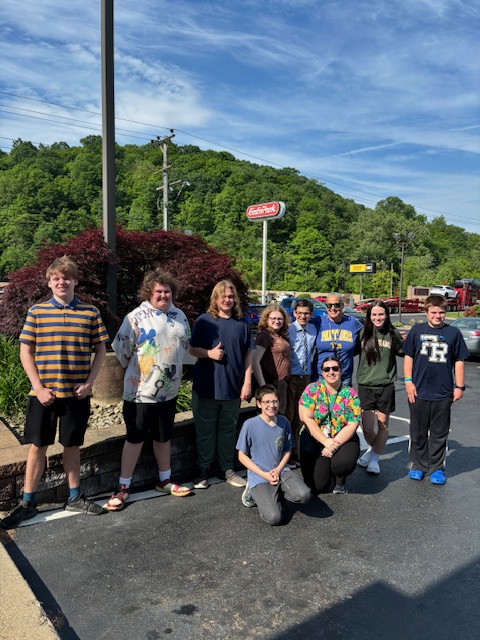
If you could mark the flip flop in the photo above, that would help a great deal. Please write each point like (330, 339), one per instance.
(416, 474)
(438, 477)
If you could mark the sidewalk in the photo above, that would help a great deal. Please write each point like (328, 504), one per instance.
(21, 615)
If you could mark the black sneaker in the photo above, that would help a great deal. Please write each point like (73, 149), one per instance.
(84, 505)
(23, 511)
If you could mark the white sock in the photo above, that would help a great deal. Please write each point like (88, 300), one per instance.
(164, 475)
(367, 452)
(374, 457)
(126, 482)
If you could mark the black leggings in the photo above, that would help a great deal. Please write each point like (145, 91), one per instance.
(318, 471)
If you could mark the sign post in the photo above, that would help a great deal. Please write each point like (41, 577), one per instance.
(265, 212)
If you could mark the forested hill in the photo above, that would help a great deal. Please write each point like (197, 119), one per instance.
(51, 192)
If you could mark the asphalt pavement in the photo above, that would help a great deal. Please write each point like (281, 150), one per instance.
(393, 559)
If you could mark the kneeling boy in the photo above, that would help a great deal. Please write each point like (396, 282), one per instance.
(264, 446)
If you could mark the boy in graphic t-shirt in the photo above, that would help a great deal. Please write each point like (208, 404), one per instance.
(433, 352)
(264, 447)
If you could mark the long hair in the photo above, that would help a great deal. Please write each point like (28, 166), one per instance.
(218, 290)
(369, 342)
(263, 322)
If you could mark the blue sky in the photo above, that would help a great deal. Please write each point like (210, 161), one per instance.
(374, 98)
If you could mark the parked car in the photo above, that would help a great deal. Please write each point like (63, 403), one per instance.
(444, 290)
(355, 314)
(470, 330)
(289, 304)
(253, 313)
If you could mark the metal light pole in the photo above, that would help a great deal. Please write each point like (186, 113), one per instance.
(402, 243)
(108, 151)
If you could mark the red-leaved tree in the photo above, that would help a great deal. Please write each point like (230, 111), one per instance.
(196, 266)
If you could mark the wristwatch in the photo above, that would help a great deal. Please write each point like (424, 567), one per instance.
(458, 387)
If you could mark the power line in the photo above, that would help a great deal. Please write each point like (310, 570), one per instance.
(134, 134)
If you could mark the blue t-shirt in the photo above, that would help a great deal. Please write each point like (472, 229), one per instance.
(434, 352)
(221, 380)
(338, 339)
(265, 445)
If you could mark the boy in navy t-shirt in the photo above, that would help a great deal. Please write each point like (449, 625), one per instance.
(433, 352)
(264, 446)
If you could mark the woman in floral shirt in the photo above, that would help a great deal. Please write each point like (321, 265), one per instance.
(329, 445)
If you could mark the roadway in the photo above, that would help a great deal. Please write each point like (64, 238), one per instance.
(393, 559)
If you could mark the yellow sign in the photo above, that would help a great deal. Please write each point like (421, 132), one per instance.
(369, 267)
(358, 268)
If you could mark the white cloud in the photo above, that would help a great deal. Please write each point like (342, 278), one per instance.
(372, 94)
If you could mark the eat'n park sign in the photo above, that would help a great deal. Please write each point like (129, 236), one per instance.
(266, 211)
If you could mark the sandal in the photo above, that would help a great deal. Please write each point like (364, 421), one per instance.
(438, 477)
(416, 474)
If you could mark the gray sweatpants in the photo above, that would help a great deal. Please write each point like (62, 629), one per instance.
(268, 497)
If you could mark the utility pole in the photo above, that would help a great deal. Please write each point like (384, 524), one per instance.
(108, 153)
(163, 144)
(403, 242)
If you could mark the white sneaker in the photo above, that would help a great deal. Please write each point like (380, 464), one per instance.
(364, 461)
(373, 467)
(247, 498)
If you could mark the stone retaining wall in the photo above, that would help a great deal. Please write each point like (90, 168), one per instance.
(100, 462)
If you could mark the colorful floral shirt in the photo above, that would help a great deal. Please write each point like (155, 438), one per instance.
(331, 412)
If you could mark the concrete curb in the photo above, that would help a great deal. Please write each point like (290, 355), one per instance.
(21, 615)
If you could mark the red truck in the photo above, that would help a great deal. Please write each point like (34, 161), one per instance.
(409, 305)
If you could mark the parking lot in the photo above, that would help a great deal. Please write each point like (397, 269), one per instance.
(393, 559)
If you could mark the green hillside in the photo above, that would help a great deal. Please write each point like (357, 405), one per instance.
(48, 193)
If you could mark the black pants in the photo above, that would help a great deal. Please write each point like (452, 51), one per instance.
(429, 427)
(319, 472)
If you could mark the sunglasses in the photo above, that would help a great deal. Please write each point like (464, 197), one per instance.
(335, 368)
(333, 305)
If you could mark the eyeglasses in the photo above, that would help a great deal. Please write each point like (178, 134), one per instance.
(335, 368)
(269, 403)
(299, 313)
(276, 319)
(333, 305)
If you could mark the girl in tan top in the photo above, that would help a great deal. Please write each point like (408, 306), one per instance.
(271, 358)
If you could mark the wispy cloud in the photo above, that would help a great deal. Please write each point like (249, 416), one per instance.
(363, 93)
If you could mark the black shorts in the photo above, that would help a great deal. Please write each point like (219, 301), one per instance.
(377, 398)
(70, 414)
(156, 418)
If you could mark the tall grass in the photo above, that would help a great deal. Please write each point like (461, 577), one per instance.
(14, 384)
(184, 400)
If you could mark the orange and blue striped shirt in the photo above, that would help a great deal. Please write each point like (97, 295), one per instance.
(63, 337)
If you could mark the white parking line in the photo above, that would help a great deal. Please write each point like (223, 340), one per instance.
(57, 514)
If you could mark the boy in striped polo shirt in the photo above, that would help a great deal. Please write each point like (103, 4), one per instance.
(55, 350)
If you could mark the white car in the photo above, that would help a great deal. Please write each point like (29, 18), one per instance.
(444, 290)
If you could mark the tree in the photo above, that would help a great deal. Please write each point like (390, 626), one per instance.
(196, 265)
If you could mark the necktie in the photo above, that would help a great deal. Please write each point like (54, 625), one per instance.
(304, 352)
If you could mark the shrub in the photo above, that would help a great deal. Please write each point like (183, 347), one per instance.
(196, 265)
(14, 384)
(472, 312)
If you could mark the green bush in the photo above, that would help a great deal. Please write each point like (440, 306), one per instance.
(472, 312)
(14, 384)
(184, 399)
